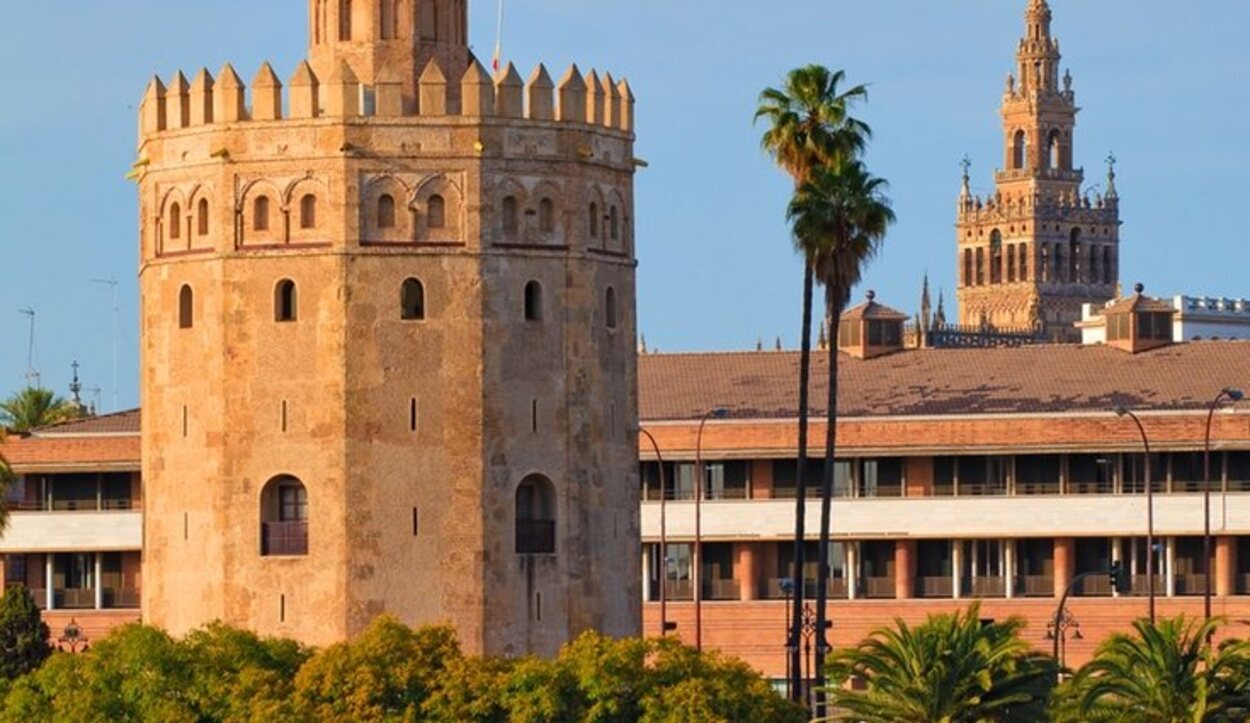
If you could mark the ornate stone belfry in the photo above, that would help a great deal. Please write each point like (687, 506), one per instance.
(1040, 246)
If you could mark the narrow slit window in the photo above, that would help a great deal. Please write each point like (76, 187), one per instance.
(412, 300)
(436, 212)
(534, 416)
(345, 20)
(308, 212)
(186, 307)
(284, 416)
(412, 414)
(175, 221)
(609, 304)
(533, 301)
(509, 212)
(282, 608)
(260, 214)
(614, 224)
(201, 217)
(386, 211)
(547, 216)
(285, 303)
(416, 522)
(594, 220)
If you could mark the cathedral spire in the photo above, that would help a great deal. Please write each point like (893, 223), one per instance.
(1038, 56)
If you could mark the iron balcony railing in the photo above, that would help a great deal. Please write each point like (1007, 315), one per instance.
(284, 539)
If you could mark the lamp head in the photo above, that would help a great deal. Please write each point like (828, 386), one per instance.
(1121, 412)
(1236, 395)
(786, 584)
(720, 413)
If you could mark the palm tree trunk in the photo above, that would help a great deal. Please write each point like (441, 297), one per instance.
(794, 643)
(826, 504)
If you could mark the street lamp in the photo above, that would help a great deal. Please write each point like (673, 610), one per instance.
(1123, 412)
(663, 535)
(717, 413)
(786, 585)
(1057, 632)
(1234, 396)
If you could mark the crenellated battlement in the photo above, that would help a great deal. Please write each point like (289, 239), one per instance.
(592, 100)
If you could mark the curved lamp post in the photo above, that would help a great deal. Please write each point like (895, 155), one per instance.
(717, 413)
(663, 535)
(1123, 412)
(1234, 396)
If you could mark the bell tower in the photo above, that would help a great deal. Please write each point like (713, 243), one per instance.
(1040, 246)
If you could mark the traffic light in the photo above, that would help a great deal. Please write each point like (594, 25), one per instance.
(1120, 580)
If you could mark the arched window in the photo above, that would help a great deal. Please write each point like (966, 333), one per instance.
(1011, 263)
(386, 211)
(1046, 273)
(981, 267)
(436, 212)
(285, 301)
(388, 20)
(510, 216)
(1058, 270)
(1108, 273)
(1074, 256)
(614, 224)
(1018, 149)
(535, 517)
(175, 221)
(412, 300)
(594, 220)
(201, 217)
(609, 307)
(345, 20)
(1093, 264)
(260, 214)
(1024, 262)
(546, 216)
(186, 307)
(284, 518)
(996, 257)
(1056, 151)
(533, 301)
(308, 211)
(967, 279)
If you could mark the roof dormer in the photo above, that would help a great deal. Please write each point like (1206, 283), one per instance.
(871, 330)
(1138, 323)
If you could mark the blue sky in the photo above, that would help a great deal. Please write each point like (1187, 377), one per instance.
(1162, 84)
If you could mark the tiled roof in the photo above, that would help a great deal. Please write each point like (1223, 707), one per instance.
(1138, 302)
(873, 310)
(119, 423)
(1023, 380)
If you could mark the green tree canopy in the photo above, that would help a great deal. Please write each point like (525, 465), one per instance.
(951, 668)
(23, 634)
(33, 407)
(1162, 673)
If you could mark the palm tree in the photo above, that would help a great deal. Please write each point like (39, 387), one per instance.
(951, 668)
(840, 218)
(809, 125)
(1163, 673)
(34, 407)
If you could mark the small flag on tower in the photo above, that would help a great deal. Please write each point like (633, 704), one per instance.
(495, 64)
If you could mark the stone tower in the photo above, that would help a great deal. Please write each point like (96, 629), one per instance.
(388, 341)
(1041, 246)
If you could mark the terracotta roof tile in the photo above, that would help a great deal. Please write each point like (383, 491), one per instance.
(123, 423)
(1022, 380)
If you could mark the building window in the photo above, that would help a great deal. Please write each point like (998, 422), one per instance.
(1018, 148)
(1037, 474)
(967, 279)
(175, 221)
(980, 267)
(1024, 262)
(1154, 326)
(436, 212)
(308, 211)
(594, 220)
(533, 301)
(388, 19)
(510, 221)
(1108, 273)
(201, 217)
(285, 301)
(1074, 256)
(412, 300)
(345, 20)
(614, 224)
(186, 308)
(1011, 263)
(260, 214)
(535, 517)
(284, 518)
(1056, 151)
(996, 257)
(546, 216)
(386, 211)
(880, 478)
(609, 304)
(1057, 270)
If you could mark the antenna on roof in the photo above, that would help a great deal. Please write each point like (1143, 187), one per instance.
(113, 284)
(32, 374)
